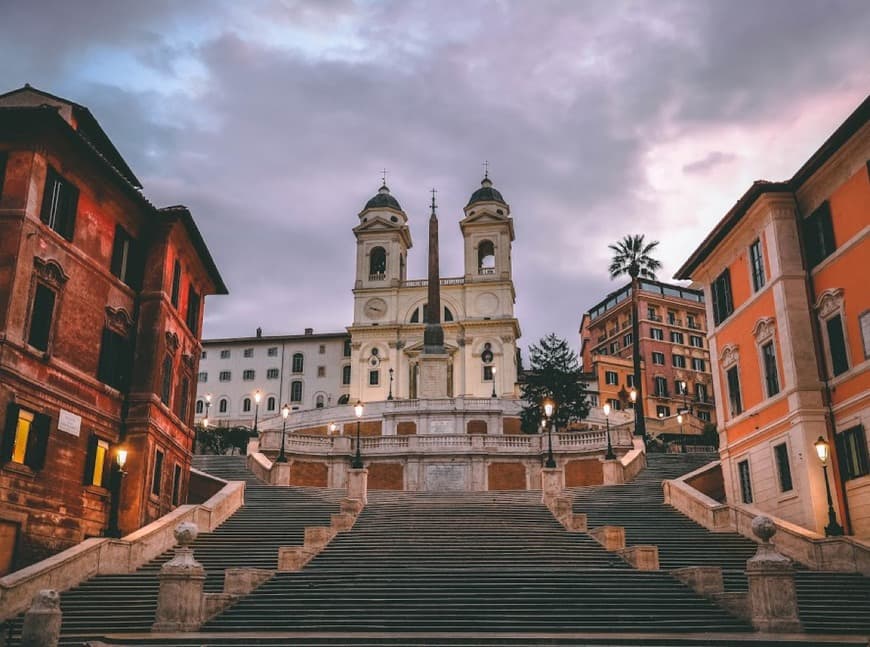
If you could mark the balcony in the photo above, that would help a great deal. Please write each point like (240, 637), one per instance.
(380, 276)
(486, 270)
(694, 326)
(654, 317)
(422, 283)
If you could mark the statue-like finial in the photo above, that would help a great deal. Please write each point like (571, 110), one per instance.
(433, 205)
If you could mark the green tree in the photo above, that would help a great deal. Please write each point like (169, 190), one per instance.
(633, 257)
(218, 440)
(554, 373)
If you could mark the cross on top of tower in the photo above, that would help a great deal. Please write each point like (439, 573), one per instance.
(485, 169)
(433, 205)
(384, 177)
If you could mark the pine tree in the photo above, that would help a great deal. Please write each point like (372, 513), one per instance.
(554, 373)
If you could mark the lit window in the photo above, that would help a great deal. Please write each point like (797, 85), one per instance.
(96, 472)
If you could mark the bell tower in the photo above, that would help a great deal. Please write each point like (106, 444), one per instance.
(488, 232)
(382, 242)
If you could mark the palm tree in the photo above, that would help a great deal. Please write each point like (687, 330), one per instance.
(632, 256)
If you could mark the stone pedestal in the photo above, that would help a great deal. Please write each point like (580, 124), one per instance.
(357, 485)
(179, 602)
(433, 376)
(704, 580)
(643, 557)
(611, 537)
(316, 537)
(42, 620)
(772, 596)
(614, 473)
(552, 483)
(280, 474)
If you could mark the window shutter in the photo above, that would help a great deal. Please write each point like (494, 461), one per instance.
(70, 203)
(47, 194)
(8, 440)
(90, 459)
(37, 442)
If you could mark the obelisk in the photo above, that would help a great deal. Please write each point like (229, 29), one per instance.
(433, 360)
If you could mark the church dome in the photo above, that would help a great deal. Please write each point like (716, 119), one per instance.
(383, 199)
(486, 193)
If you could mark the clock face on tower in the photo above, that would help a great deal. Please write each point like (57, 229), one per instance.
(375, 308)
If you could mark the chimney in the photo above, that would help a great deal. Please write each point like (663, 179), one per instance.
(309, 331)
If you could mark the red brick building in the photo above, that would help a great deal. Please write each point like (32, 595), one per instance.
(100, 314)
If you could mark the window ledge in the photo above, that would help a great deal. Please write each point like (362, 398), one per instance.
(785, 497)
(98, 491)
(19, 468)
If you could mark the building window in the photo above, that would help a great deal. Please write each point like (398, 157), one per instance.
(691, 323)
(248, 352)
(699, 364)
(487, 373)
(696, 340)
(176, 283)
(95, 462)
(225, 354)
(672, 317)
(377, 263)
(614, 347)
(680, 388)
(757, 263)
(486, 257)
(818, 235)
(374, 378)
(319, 401)
(246, 405)
(272, 374)
(41, 317)
(59, 203)
(270, 403)
(125, 263)
(745, 482)
(158, 473)
(166, 381)
(272, 351)
(202, 377)
(321, 371)
(626, 340)
(298, 362)
(720, 291)
(678, 361)
(347, 348)
(176, 484)
(661, 387)
(852, 453)
(663, 411)
(615, 404)
(248, 374)
(25, 437)
(296, 391)
(611, 377)
(836, 344)
(658, 358)
(864, 325)
(223, 405)
(345, 374)
(322, 349)
(701, 392)
(783, 468)
(771, 376)
(703, 415)
(115, 360)
(629, 379)
(200, 407)
(652, 314)
(203, 355)
(192, 310)
(677, 338)
(734, 400)
(657, 333)
(225, 376)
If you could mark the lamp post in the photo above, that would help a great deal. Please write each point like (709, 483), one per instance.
(117, 476)
(609, 456)
(823, 449)
(682, 435)
(549, 407)
(257, 397)
(207, 404)
(493, 382)
(285, 411)
(684, 388)
(357, 462)
(390, 395)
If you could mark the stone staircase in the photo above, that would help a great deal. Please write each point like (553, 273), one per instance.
(228, 468)
(828, 602)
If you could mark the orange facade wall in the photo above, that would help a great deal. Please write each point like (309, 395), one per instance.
(366, 428)
(584, 472)
(386, 476)
(476, 427)
(506, 476)
(511, 426)
(309, 473)
(407, 428)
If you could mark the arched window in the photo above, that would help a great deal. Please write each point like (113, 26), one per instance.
(298, 363)
(223, 405)
(344, 399)
(246, 405)
(296, 391)
(377, 263)
(486, 257)
(270, 403)
(415, 316)
(318, 403)
(200, 406)
(448, 316)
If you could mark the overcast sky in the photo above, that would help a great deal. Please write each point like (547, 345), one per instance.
(272, 120)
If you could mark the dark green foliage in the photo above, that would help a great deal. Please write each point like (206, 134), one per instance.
(554, 373)
(222, 440)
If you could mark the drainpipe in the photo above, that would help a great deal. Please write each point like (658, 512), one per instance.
(822, 367)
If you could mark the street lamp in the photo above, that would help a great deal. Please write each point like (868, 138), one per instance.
(390, 395)
(609, 456)
(257, 397)
(493, 382)
(823, 449)
(117, 477)
(357, 462)
(549, 407)
(682, 435)
(332, 428)
(285, 411)
(207, 405)
(685, 389)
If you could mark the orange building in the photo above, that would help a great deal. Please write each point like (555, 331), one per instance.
(675, 360)
(785, 279)
(100, 317)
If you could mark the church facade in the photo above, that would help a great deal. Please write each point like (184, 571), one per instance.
(477, 308)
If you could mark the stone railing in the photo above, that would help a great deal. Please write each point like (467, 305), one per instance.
(103, 556)
(422, 283)
(844, 554)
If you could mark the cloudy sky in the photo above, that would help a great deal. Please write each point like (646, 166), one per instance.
(272, 120)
